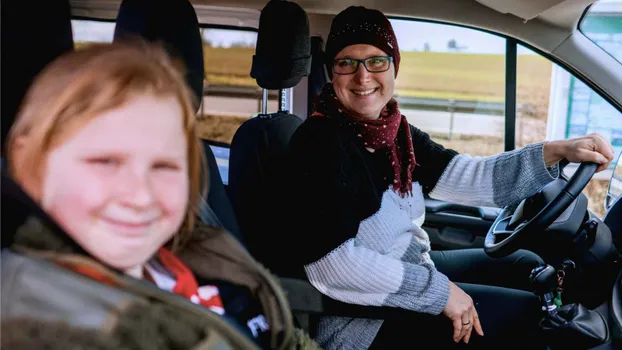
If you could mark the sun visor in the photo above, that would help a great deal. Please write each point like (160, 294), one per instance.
(525, 9)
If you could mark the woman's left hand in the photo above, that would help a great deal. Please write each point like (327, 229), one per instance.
(590, 148)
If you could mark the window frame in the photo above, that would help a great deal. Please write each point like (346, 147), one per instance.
(511, 73)
(93, 19)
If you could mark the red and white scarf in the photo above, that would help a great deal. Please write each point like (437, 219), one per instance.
(167, 272)
(170, 274)
(390, 131)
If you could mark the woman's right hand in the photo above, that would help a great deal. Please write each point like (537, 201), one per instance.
(462, 313)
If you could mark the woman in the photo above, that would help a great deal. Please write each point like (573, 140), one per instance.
(360, 172)
(106, 144)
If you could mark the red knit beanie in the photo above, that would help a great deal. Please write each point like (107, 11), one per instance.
(359, 25)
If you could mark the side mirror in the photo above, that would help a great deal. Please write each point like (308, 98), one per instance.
(615, 185)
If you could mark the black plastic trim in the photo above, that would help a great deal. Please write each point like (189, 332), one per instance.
(511, 60)
(217, 143)
(228, 27)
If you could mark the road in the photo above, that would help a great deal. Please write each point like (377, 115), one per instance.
(235, 106)
(464, 123)
(429, 121)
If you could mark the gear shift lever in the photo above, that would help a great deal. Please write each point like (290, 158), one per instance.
(544, 281)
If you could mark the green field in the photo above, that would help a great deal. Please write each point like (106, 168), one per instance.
(461, 76)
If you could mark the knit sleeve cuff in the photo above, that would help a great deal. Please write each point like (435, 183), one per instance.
(440, 288)
(424, 289)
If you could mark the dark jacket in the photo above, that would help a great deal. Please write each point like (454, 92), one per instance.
(44, 302)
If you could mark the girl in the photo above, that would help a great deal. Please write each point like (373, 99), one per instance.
(106, 144)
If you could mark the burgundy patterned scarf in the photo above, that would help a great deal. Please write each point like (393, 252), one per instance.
(390, 131)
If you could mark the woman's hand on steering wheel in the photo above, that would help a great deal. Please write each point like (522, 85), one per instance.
(590, 148)
(461, 311)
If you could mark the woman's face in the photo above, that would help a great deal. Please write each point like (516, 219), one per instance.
(364, 94)
(119, 185)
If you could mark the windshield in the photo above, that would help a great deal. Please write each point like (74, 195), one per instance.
(603, 25)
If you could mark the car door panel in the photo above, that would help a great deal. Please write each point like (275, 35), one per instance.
(456, 226)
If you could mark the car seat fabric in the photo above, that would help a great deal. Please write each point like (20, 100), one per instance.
(256, 165)
(258, 148)
(30, 40)
(218, 211)
(174, 24)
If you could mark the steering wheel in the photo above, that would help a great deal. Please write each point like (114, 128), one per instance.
(534, 214)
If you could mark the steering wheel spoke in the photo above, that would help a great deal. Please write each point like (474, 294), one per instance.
(512, 227)
(500, 228)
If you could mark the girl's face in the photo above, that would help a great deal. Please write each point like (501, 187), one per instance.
(119, 185)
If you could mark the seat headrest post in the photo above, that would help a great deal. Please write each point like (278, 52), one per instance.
(282, 100)
(264, 101)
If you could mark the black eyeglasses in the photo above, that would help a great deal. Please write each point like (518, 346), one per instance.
(377, 64)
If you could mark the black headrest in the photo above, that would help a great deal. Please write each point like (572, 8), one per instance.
(172, 23)
(34, 33)
(282, 56)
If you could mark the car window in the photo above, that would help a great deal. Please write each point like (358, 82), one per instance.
(603, 25)
(451, 84)
(231, 95)
(564, 108)
(88, 31)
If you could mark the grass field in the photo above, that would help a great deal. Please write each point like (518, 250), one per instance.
(461, 76)
(228, 66)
